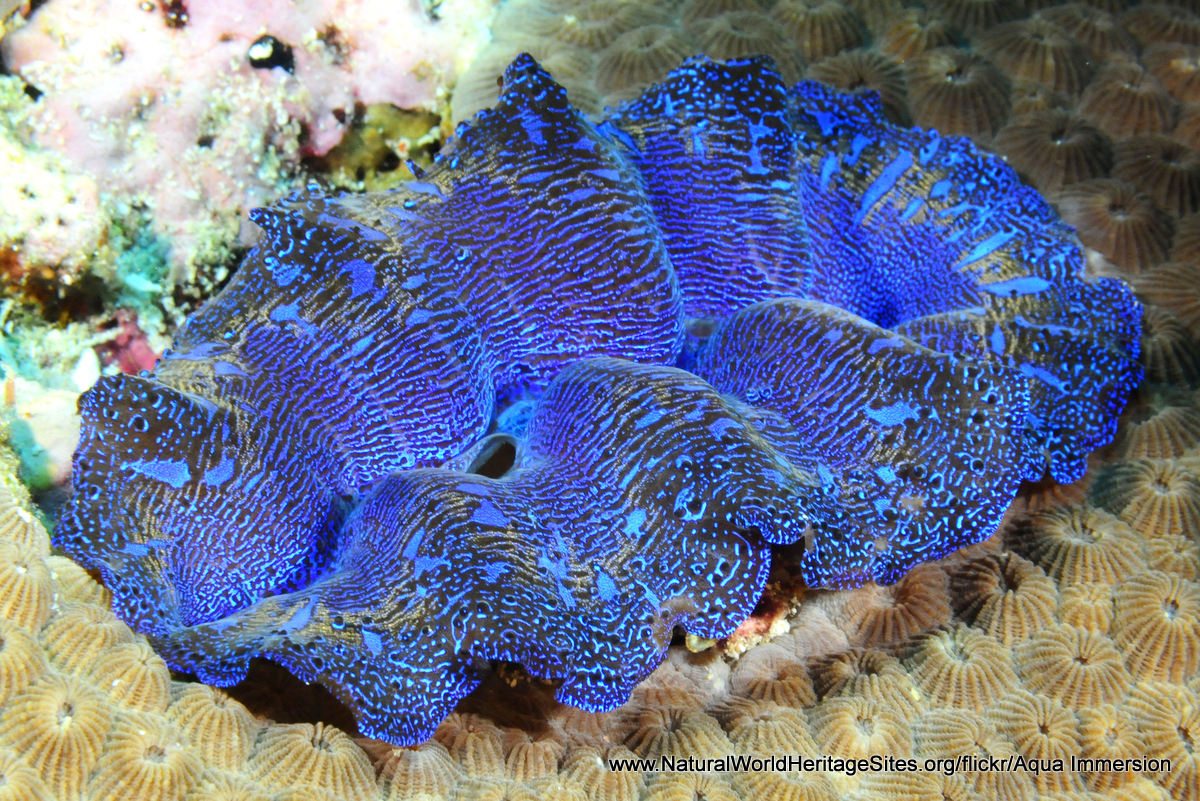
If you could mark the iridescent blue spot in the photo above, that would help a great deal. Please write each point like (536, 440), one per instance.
(650, 418)
(291, 313)
(227, 368)
(883, 184)
(488, 515)
(892, 415)
(828, 167)
(373, 642)
(886, 342)
(362, 276)
(413, 545)
(605, 586)
(987, 247)
(218, 475)
(856, 147)
(360, 345)
(362, 229)
(997, 341)
(930, 148)
(300, 616)
(1043, 375)
(424, 188)
(1027, 285)
(169, 471)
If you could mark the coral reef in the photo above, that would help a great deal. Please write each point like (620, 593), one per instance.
(319, 755)
(51, 220)
(868, 674)
(1079, 544)
(43, 428)
(1157, 497)
(1106, 732)
(1174, 553)
(1115, 219)
(479, 86)
(639, 58)
(21, 660)
(1093, 27)
(178, 111)
(144, 757)
(1040, 728)
(859, 728)
(1008, 597)
(1124, 100)
(958, 92)
(1170, 352)
(1157, 626)
(1068, 646)
(333, 572)
(1053, 148)
(1165, 424)
(373, 152)
(588, 25)
(23, 588)
(951, 731)
(1178, 69)
(912, 32)
(962, 667)
(1088, 606)
(1037, 50)
(877, 615)
(1156, 23)
(1187, 129)
(1075, 666)
(1164, 169)
(820, 30)
(770, 673)
(1168, 719)
(134, 676)
(59, 726)
(1030, 98)
(975, 16)
(1174, 287)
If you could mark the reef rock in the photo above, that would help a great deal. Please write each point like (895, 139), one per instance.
(203, 109)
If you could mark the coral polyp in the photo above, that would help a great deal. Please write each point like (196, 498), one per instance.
(730, 315)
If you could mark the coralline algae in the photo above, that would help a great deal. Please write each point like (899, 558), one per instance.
(172, 105)
(881, 331)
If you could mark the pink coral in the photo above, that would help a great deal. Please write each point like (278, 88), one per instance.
(168, 105)
(130, 350)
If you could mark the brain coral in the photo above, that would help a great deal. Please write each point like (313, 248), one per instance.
(875, 327)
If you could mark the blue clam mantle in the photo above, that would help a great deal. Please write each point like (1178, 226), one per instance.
(730, 315)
